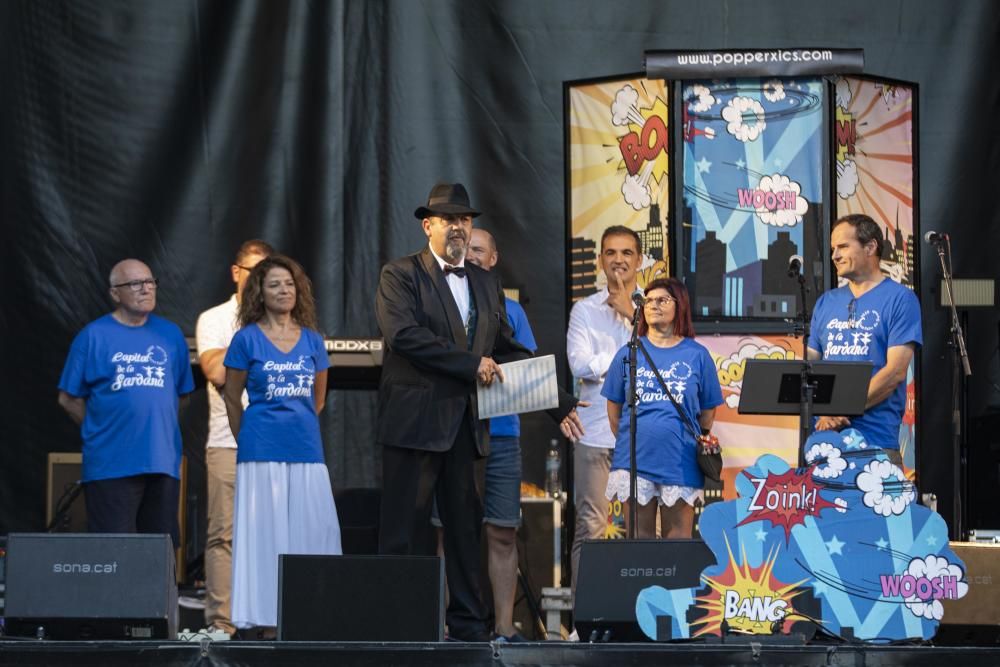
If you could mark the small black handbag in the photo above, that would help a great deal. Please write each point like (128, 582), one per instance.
(709, 457)
(709, 452)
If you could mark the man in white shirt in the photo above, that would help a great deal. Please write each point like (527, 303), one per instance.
(215, 330)
(599, 326)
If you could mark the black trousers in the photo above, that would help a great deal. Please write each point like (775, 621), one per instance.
(411, 479)
(136, 504)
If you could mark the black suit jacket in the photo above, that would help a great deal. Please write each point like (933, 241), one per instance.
(428, 384)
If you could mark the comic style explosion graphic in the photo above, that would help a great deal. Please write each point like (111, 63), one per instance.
(786, 499)
(642, 161)
(748, 599)
(615, 528)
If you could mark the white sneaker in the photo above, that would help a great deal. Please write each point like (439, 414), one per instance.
(573, 636)
(211, 633)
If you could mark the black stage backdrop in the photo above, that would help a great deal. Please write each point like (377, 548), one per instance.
(172, 131)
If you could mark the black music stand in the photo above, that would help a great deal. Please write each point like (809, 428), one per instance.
(805, 388)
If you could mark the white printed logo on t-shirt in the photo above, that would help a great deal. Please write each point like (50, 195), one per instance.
(650, 390)
(288, 379)
(137, 369)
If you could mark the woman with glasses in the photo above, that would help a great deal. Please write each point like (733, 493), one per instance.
(284, 504)
(669, 479)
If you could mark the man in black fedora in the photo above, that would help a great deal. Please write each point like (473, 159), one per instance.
(445, 328)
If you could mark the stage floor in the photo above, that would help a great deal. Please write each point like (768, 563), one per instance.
(542, 653)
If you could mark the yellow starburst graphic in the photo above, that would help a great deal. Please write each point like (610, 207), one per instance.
(749, 599)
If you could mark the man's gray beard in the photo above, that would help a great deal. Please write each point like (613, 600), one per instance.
(454, 251)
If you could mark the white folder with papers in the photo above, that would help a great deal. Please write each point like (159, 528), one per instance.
(529, 385)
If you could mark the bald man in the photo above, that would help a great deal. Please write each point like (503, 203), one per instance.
(121, 383)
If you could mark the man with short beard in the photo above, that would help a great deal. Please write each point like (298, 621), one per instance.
(445, 325)
(121, 383)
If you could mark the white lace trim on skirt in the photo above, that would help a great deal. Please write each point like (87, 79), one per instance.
(666, 494)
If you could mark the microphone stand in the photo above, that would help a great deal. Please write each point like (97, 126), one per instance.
(807, 386)
(960, 369)
(633, 405)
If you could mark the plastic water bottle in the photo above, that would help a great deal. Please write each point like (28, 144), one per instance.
(553, 486)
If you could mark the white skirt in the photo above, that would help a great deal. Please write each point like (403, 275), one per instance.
(281, 508)
(666, 494)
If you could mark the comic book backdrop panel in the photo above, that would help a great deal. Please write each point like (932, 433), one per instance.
(873, 148)
(752, 193)
(618, 150)
(745, 438)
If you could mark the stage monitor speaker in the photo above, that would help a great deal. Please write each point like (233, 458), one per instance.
(613, 572)
(360, 598)
(91, 586)
(974, 620)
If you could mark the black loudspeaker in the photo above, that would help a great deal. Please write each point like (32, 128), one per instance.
(91, 586)
(983, 472)
(360, 598)
(613, 572)
(974, 620)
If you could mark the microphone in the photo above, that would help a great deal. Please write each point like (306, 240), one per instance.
(638, 299)
(794, 266)
(935, 237)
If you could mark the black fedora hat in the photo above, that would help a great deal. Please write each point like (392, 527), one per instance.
(445, 199)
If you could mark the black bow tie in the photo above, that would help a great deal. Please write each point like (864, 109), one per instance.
(457, 270)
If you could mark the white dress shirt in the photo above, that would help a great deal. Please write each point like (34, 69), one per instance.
(459, 287)
(596, 333)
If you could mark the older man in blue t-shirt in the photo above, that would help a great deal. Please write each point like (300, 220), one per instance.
(121, 383)
(870, 318)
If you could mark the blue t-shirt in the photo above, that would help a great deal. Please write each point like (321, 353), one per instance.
(131, 378)
(509, 426)
(665, 449)
(845, 328)
(280, 424)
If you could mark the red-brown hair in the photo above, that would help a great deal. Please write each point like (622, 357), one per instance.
(252, 302)
(683, 326)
